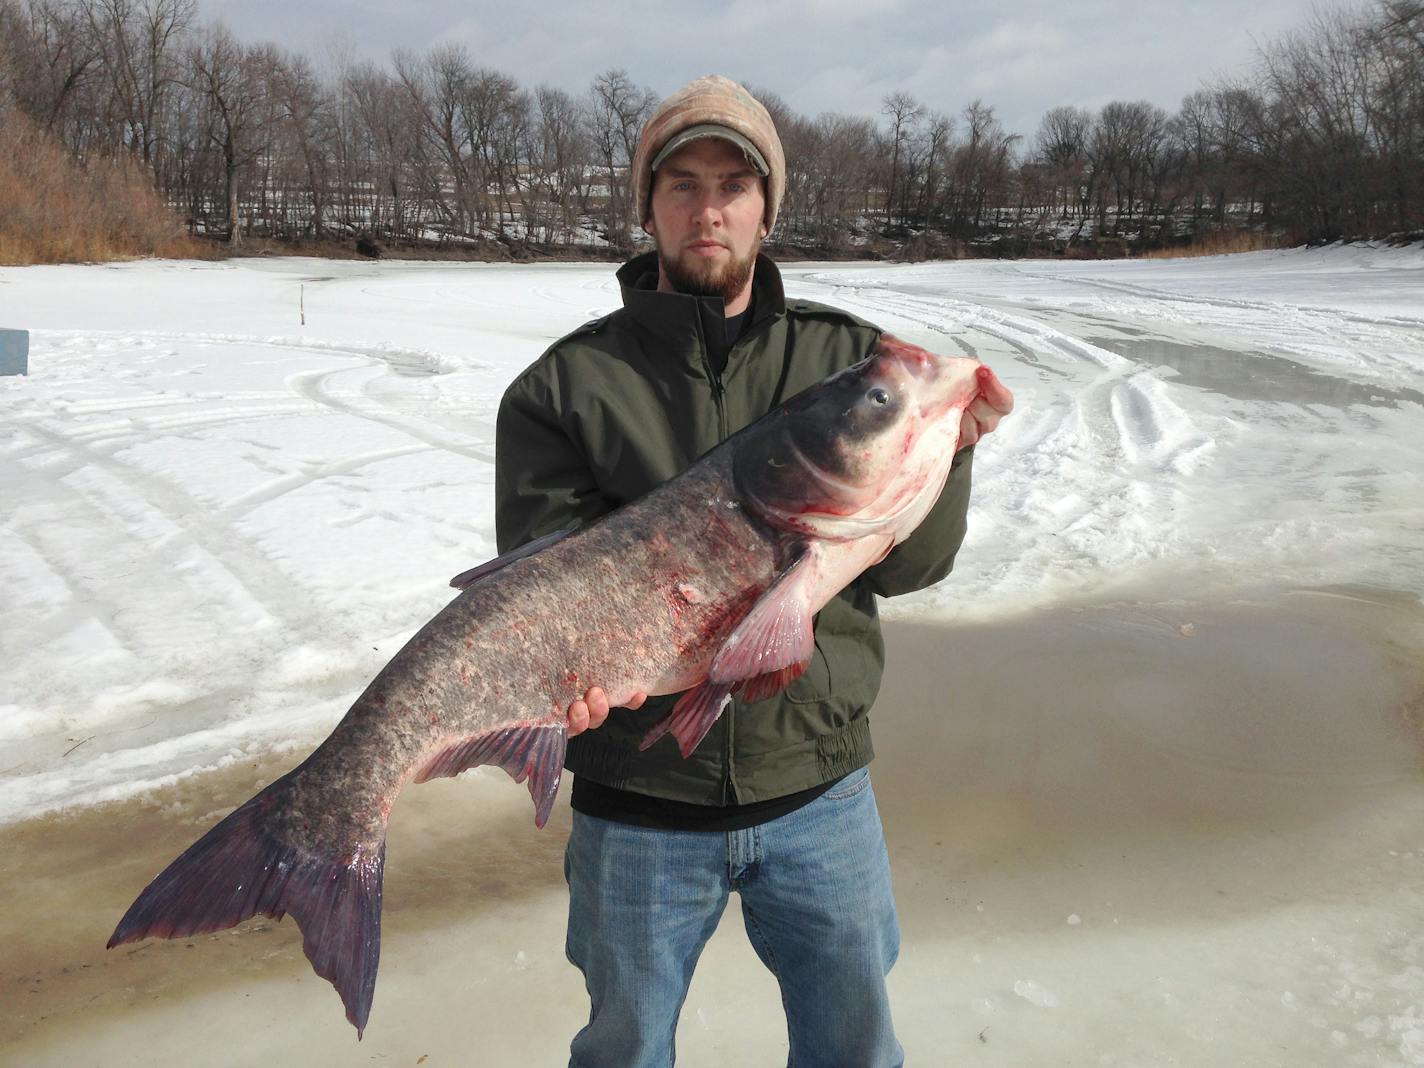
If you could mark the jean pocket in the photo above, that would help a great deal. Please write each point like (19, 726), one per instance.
(852, 784)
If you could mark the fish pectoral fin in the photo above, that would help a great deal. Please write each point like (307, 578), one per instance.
(692, 717)
(775, 635)
(531, 751)
(465, 579)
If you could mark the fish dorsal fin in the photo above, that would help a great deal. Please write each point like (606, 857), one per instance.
(468, 578)
(776, 633)
(532, 751)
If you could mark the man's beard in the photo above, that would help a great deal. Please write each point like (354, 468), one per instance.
(698, 277)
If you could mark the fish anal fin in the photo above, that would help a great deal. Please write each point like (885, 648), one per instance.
(773, 682)
(692, 717)
(531, 751)
(468, 578)
(777, 632)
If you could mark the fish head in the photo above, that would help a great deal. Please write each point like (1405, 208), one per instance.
(859, 452)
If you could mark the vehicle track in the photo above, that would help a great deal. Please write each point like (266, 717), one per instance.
(1396, 342)
(1104, 426)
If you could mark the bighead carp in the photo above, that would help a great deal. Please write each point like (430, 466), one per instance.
(708, 585)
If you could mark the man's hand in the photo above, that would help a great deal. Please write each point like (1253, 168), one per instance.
(984, 412)
(592, 709)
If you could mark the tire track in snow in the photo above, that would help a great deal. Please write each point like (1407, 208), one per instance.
(312, 394)
(400, 360)
(94, 520)
(1117, 447)
(185, 424)
(291, 483)
(1301, 329)
(1269, 309)
(196, 525)
(316, 386)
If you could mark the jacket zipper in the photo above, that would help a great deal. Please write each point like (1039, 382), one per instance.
(718, 399)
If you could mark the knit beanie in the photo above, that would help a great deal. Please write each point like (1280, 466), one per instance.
(711, 106)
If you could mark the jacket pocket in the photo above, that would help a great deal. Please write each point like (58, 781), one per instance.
(815, 684)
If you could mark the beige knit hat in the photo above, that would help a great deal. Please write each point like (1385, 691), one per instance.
(711, 106)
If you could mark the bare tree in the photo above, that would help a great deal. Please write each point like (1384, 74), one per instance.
(904, 113)
(389, 155)
(303, 112)
(139, 54)
(617, 111)
(494, 111)
(47, 58)
(558, 156)
(227, 77)
(437, 87)
(1061, 145)
(979, 171)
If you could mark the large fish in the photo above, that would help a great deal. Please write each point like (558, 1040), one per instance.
(707, 584)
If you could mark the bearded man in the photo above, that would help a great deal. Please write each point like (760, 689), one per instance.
(775, 803)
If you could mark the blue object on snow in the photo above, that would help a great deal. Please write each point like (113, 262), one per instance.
(14, 352)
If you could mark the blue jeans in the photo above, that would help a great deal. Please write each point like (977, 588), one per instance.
(815, 889)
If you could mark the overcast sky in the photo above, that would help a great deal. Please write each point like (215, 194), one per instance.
(819, 55)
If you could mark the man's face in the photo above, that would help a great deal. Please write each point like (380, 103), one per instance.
(706, 217)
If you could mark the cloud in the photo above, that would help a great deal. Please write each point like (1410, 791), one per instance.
(818, 55)
(847, 10)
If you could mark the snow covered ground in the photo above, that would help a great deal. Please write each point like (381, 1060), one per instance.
(217, 522)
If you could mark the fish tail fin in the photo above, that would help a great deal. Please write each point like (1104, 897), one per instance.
(692, 717)
(240, 868)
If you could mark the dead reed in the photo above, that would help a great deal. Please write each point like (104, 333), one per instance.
(1221, 243)
(55, 209)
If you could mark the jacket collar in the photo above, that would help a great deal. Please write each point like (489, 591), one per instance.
(681, 320)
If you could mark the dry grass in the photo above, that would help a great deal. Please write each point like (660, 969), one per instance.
(55, 210)
(1221, 243)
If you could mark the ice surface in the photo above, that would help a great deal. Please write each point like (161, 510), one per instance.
(216, 525)
(196, 485)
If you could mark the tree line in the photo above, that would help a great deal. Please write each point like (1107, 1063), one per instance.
(1323, 140)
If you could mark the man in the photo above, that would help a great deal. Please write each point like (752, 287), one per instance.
(775, 802)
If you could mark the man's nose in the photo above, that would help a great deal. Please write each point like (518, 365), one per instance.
(708, 209)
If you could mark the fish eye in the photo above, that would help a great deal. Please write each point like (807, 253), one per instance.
(878, 395)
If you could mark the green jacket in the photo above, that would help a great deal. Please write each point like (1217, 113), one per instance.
(626, 402)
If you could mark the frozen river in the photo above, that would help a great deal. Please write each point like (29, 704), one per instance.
(1152, 779)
